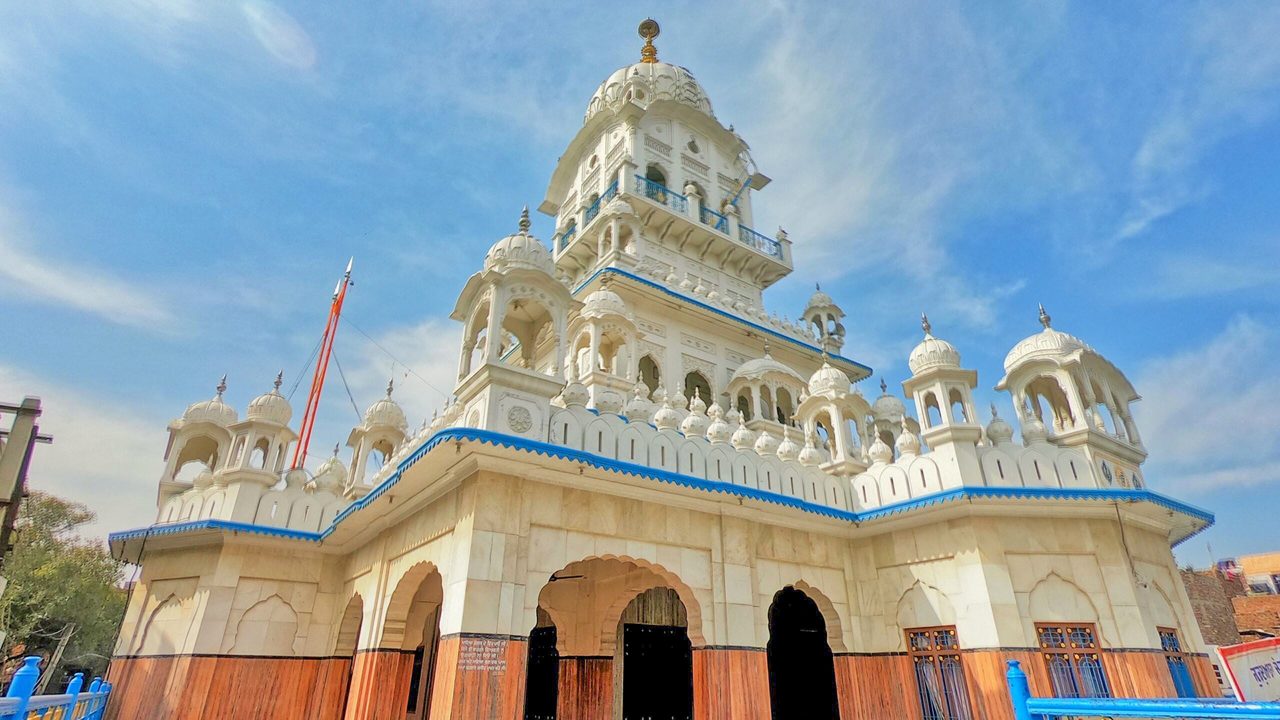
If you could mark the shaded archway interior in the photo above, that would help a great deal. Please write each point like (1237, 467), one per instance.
(802, 676)
(608, 633)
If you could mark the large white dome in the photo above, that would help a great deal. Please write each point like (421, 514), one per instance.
(647, 82)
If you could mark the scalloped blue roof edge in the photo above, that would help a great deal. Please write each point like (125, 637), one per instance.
(626, 468)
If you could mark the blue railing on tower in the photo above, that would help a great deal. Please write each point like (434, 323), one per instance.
(19, 703)
(1026, 707)
(662, 194)
(763, 243)
(562, 240)
(714, 219)
(594, 210)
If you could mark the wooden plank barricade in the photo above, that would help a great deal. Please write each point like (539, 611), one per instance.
(1026, 707)
(77, 703)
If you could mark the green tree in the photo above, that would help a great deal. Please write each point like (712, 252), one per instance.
(60, 582)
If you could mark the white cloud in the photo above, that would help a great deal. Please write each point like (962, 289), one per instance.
(425, 365)
(1215, 419)
(280, 34)
(93, 290)
(106, 453)
(877, 134)
(1232, 69)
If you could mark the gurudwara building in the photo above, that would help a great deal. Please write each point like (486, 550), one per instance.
(652, 498)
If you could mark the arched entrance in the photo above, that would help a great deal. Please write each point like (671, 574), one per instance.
(656, 658)
(413, 626)
(802, 675)
(349, 638)
(542, 674)
(623, 632)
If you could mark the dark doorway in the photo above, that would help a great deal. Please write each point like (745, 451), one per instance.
(802, 673)
(542, 690)
(657, 677)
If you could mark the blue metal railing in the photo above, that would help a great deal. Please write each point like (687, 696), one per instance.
(1026, 707)
(715, 219)
(19, 703)
(763, 243)
(662, 194)
(594, 210)
(562, 240)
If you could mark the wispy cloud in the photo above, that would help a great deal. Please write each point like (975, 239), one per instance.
(46, 278)
(1180, 277)
(872, 176)
(1227, 83)
(280, 34)
(422, 358)
(1210, 415)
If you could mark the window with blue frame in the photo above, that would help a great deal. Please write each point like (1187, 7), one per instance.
(1176, 659)
(940, 687)
(1073, 659)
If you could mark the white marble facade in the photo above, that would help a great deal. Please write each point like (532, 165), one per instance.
(638, 342)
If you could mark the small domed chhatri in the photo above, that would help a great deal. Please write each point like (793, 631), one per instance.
(828, 380)
(604, 302)
(213, 410)
(932, 352)
(520, 250)
(271, 406)
(386, 411)
(1048, 343)
(641, 457)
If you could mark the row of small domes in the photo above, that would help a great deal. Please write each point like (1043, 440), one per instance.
(272, 407)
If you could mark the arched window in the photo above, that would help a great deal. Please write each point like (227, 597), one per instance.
(1047, 388)
(654, 173)
(744, 407)
(785, 408)
(697, 381)
(958, 412)
(933, 414)
(260, 450)
(649, 374)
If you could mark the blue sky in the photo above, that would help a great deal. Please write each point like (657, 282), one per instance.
(181, 182)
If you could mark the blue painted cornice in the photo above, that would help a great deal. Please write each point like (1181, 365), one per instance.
(489, 437)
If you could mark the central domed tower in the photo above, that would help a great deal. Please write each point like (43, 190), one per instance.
(654, 184)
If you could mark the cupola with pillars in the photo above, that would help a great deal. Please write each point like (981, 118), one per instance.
(1079, 396)
(943, 395)
(654, 181)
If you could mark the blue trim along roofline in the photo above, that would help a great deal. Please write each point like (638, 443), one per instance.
(490, 437)
(718, 311)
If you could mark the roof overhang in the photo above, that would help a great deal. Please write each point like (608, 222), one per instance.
(444, 459)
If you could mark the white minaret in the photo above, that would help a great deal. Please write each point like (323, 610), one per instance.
(943, 394)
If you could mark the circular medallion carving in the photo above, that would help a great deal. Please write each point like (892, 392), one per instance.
(519, 419)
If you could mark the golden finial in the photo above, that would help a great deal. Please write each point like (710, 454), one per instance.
(649, 30)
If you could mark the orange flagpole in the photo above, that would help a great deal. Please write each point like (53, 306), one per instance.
(322, 368)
